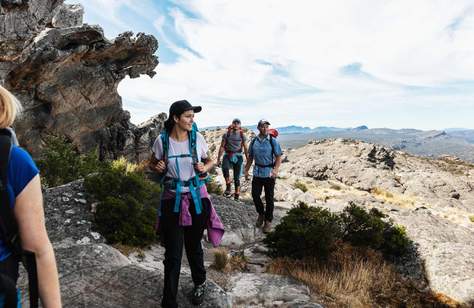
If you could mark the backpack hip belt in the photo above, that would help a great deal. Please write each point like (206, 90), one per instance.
(233, 156)
(265, 166)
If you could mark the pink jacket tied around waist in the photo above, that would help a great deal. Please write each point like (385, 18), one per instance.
(215, 228)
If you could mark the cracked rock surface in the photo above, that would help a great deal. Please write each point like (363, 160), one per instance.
(66, 75)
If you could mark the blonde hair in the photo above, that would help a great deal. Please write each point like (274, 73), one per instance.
(9, 107)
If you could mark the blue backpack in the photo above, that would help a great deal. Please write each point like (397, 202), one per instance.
(194, 184)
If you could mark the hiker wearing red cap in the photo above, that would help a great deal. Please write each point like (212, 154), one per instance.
(266, 152)
(233, 142)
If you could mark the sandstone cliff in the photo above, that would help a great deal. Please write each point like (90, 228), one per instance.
(66, 75)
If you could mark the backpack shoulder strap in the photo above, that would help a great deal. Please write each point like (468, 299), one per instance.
(273, 149)
(8, 224)
(165, 142)
(241, 138)
(251, 144)
(273, 146)
(192, 136)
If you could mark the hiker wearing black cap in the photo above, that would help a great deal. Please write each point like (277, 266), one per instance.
(233, 142)
(266, 152)
(180, 158)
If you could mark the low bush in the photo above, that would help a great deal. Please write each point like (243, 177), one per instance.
(370, 229)
(305, 232)
(363, 228)
(126, 212)
(61, 163)
(314, 232)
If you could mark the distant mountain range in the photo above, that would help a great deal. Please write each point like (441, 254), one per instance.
(458, 142)
(321, 129)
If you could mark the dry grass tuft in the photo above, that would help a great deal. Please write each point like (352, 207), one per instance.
(396, 199)
(302, 186)
(221, 260)
(128, 250)
(357, 278)
(454, 166)
(224, 262)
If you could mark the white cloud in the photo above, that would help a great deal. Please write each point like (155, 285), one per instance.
(283, 60)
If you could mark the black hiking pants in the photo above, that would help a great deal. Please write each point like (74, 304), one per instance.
(268, 184)
(236, 167)
(173, 236)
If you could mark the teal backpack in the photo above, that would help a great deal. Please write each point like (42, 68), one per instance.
(194, 184)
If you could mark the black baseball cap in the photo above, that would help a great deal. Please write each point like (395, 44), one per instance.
(262, 122)
(181, 106)
(236, 120)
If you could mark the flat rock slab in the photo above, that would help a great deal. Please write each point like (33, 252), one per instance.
(447, 251)
(97, 275)
(267, 290)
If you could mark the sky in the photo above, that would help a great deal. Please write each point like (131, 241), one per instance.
(342, 63)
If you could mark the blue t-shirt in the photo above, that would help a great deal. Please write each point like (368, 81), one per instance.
(261, 152)
(21, 170)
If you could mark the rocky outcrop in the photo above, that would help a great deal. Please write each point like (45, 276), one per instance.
(94, 274)
(66, 75)
(432, 198)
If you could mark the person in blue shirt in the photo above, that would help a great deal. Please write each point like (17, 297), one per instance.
(26, 199)
(266, 152)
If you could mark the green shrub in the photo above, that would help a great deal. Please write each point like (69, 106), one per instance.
(305, 232)
(126, 221)
(396, 241)
(61, 163)
(362, 228)
(126, 212)
(300, 185)
(313, 231)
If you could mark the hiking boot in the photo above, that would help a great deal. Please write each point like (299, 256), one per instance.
(227, 193)
(237, 193)
(198, 294)
(259, 221)
(267, 227)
